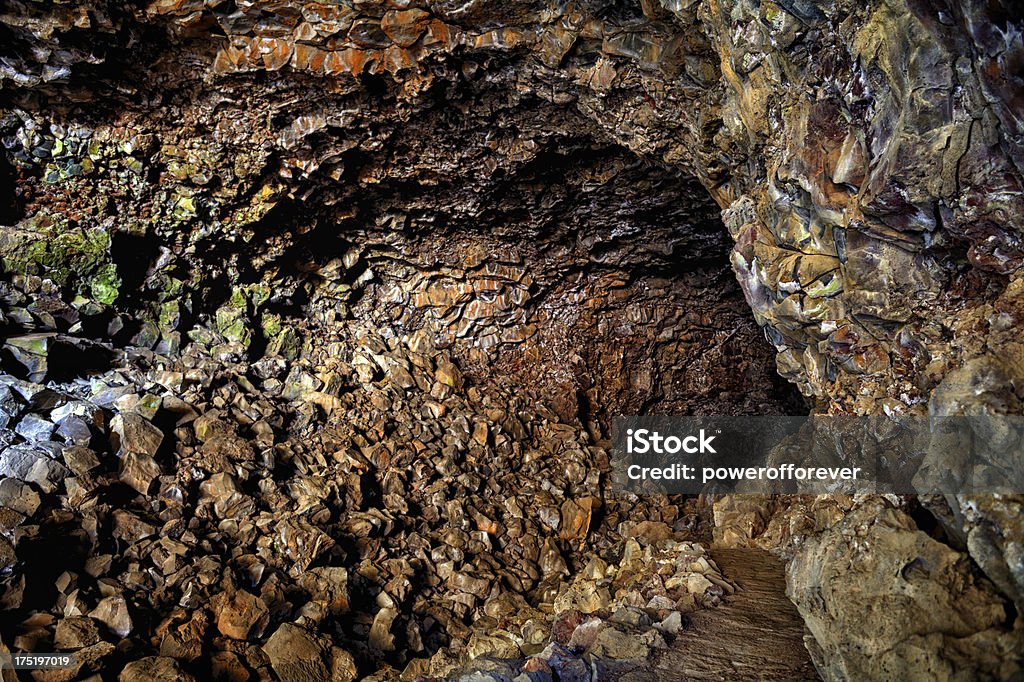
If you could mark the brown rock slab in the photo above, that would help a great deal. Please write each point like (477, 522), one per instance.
(139, 470)
(76, 632)
(404, 27)
(576, 515)
(133, 433)
(242, 615)
(380, 632)
(328, 584)
(878, 555)
(226, 666)
(295, 655)
(343, 666)
(302, 543)
(155, 669)
(113, 612)
(18, 496)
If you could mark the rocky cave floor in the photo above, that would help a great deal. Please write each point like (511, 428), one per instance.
(315, 317)
(399, 514)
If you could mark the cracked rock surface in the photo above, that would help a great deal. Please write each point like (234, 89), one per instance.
(315, 316)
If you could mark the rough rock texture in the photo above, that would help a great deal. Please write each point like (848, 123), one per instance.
(935, 620)
(862, 569)
(319, 285)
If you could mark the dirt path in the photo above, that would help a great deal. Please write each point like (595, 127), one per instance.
(756, 634)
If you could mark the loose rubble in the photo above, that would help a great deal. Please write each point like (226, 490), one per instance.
(237, 526)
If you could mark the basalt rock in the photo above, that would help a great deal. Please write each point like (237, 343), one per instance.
(866, 625)
(312, 309)
(267, 520)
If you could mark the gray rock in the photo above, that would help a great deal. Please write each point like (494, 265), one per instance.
(26, 389)
(564, 665)
(34, 428)
(74, 430)
(672, 624)
(9, 406)
(30, 351)
(486, 669)
(83, 409)
(33, 463)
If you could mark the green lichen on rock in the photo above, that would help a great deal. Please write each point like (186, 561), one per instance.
(170, 315)
(271, 325)
(105, 284)
(184, 208)
(148, 335)
(232, 319)
(282, 339)
(71, 256)
(66, 251)
(258, 294)
(169, 288)
(234, 327)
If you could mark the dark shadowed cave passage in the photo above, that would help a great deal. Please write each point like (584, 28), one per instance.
(581, 275)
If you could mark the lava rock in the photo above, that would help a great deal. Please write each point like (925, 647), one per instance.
(295, 655)
(76, 632)
(154, 669)
(241, 615)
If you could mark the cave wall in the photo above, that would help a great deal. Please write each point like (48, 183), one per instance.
(864, 157)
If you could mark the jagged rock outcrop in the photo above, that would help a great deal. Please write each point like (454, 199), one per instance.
(851, 185)
(930, 617)
(328, 240)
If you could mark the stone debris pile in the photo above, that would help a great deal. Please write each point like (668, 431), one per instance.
(608, 621)
(363, 509)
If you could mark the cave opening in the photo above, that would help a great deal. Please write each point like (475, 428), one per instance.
(568, 269)
(575, 284)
